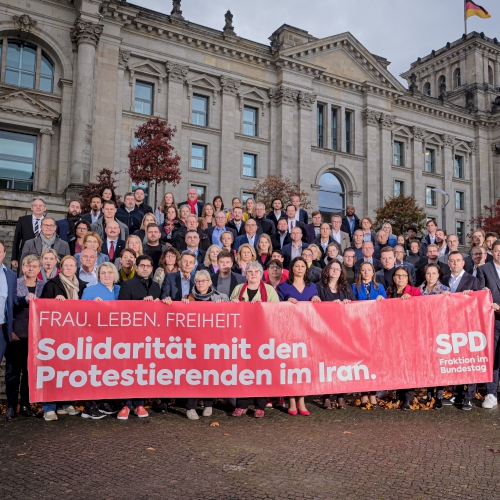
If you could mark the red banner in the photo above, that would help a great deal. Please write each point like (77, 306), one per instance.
(112, 350)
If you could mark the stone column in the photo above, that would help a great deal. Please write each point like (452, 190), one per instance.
(327, 133)
(44, 161)
(306, 105)
(448, 167)
(231, 161)
(386, 160)
(86, 35)
(341, 129)
(463, 69)
(372, 159)
(449, 83)
(418, 165)
(496, 71)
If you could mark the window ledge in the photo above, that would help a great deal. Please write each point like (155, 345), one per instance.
(432, 174)
(459, 179)
(251, 138)
(333, 152)
(200, 128)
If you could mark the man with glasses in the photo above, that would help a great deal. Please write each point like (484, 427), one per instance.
(45, 240)
(250, 237)
(265, 225)
(349, 260)
(177, 286)
(477, 258)
(140, 287)
(88, 267)
(214, 233)
(400, 254)
(27, 228)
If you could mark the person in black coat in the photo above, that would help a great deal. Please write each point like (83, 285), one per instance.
(348, 219)
(95, 209)
(277, 212)
(224, 280)
(179, 285)
(281, 237)
(56, 289)
(179, 237)
(139, 196)
(141, 286)
(129, 214)
(65, 227)
(432, 258)
(265, 225)
(237, 223)
(193, 201)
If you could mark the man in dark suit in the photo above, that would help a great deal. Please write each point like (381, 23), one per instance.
(293, 249)
(27, 228)
(129, 214)
(193, 246)
(293, 222)
(46, 239)
(139, 196)
(477, 258)
(251, 235)
(179, 236)
(312, 230)
(112, 245)
(430, 238)
(460, 281)
(367, 251)
(214, 233)
(400, 254)
(237, 223)
(388, 260)
(489, 275)
(264, 224)
(194, 204)
(95, 209)
(281, 237)
(302, 215)
(277, 212)
(432, 258)
(224, 280)
(177, 286)
(350, 222)
(65, 226)
(324, 239)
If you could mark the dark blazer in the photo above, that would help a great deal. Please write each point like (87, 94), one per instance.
(240, 240)
(9, 309)
(273, 219)
(236, 279)
(54, 287)
(88, 217)
(200, 258)
(315, 274)
(347, 228)
(488, 275)
(64, 227)
(23, 233)
(265, 225)
(302, 226)
(232, 225)
(34, 247)
(210, 231)
(119, 246)
(424, 243)
(172, 286)
(317, 242)
(310, 234)
(468, 282)
(303, 216)
(420, 270)
(137, 289)
(376, 264)
(287, 254)
(145, 209)
(200, 204)
(469, 263)
(132, 220)
(275, 240)
(179, 239)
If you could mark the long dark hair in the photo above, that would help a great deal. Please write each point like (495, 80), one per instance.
(392, 289)
(359, 279)
(342, 283)
(307, 277)
(113, 195)
(222, 202)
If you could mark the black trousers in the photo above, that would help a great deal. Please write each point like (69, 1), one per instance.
(470, 392)
(192, 403)
(492, 387)
(243, 403)
(16, 372)
(135, 403)
(406, 395)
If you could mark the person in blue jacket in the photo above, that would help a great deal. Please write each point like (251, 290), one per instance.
(366, 288)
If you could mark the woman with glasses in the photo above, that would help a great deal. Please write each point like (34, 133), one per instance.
(93, 240)
(82, 227)
(169, 263)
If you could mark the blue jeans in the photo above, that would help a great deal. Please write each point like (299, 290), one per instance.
(492, 387)
(52, 406)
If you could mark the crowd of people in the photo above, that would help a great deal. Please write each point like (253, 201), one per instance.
(195, 251)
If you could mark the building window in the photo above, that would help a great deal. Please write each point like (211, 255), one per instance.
(429, 160)
(399, 188)
(198, 157)
(490, 75)
(320, 127)
(200, 110)
(427, 89)
(246, 196)
(145, 187)
(430, 196)
(250, 117)
(17, 161)
(459, 200)
(334, 129)
(144, 98)
(458, 78)
(399, 154)
(441, 81)
(348, 119)
(46, 74)
(331, 196)
(201, 190)
(460, 231)
(21, 64)
(459, 167)
(249, 165)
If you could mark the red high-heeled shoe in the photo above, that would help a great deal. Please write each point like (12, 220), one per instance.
(305, 413)
(292, 412)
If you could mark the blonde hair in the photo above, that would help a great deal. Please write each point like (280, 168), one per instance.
(162, 206)
(312, 247)
(268, 238)
(250, 247)
(51, 251)
(94, 235)
(66, 258)
(134, 236)
(32, 258)
(207, 260)
(143, 223)
(111, 266)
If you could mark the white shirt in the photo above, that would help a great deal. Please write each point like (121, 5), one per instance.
(442, 251)
(297, 214)
(454, 282)
(251, 240)
(498, 270)
(34, 219)
(337, 237)
(115, 242)
(290, 222)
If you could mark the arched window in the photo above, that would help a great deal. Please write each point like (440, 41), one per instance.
(21, 66)
(458, 78)
(331, 196)
(490, 75)
(427, 89)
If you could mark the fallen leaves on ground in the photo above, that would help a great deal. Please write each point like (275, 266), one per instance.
(226, 434)
(347, 432)
(494, 451)
(150, 449)
(214, 424)
(21, 454)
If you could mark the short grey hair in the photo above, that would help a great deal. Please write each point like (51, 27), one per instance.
(255, 265)
(108, 265)
(203, 273)
(260, 204)
(37, 198)
(189, 254)
(128, 194)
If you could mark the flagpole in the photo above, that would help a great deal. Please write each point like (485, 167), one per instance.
(465, 15)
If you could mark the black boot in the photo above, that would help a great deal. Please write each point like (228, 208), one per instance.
(438, 404)
(27, 412)
(11, 415)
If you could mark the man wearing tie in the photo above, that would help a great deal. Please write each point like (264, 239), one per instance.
(250, 237)
(282, 236)
(112, 244)
(293, 222)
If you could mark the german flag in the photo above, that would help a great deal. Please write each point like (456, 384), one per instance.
(473, 9)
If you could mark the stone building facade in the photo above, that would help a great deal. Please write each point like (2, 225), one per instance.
(78, 78)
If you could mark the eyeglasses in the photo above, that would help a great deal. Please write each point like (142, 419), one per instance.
(34, 266)
(145, 266)
(201, 281)
(400, 276)
(48, 225)
(335, 270)
(82, 228)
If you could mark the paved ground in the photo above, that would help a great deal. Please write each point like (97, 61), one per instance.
(388, 454)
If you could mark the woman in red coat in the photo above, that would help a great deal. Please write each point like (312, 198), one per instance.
(402, 288)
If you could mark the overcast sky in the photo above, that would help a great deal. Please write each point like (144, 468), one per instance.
(400, 30)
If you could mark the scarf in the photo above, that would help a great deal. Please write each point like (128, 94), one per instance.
(169, 226)
(47, 243)
(192, 206)
(125, 277)
(262, 289)
(42, 275)
(71, 286)
(211, 294)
